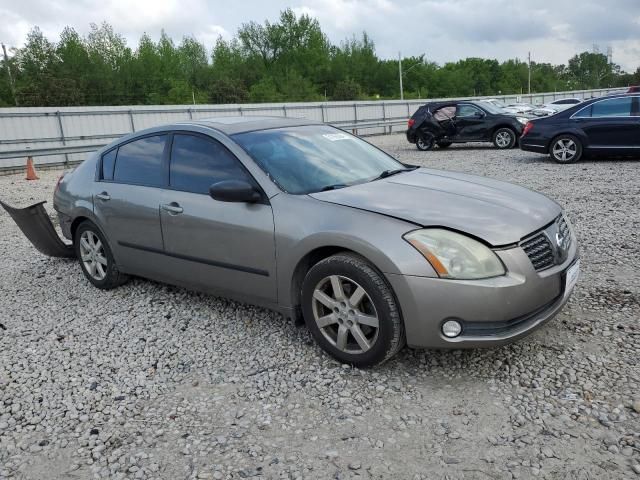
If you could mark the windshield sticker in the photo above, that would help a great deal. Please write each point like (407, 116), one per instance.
(334, 137)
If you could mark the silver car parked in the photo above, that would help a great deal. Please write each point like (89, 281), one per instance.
(320, 225)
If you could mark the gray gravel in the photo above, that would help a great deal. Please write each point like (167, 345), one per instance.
(152, 381)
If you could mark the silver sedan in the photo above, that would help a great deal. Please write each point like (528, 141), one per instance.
(320, 225)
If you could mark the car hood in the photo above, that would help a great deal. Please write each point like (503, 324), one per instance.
(497, 212)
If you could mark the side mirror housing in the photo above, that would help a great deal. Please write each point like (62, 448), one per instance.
(234, 191)
(478, 115)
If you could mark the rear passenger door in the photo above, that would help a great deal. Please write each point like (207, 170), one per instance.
(126, 200)
(223, 247)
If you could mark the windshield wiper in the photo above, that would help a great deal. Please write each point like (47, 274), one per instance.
(388, 173)
(335, 186)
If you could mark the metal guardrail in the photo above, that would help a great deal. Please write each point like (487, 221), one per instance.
(65, 129)
(66, 150)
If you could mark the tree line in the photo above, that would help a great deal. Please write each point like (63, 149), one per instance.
(288, 60)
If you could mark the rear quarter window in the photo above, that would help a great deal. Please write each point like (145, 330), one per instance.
(108, 162)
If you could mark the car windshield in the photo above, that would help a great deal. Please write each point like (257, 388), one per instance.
(313, 158)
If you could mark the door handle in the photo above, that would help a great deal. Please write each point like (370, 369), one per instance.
(103, 196)
(172, 208)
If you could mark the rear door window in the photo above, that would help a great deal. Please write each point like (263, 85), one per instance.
(141, 162)
(616, 107)
(198, 162)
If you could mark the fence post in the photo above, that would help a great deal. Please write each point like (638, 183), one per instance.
(284, 110)
(384, 118)
(133, 125)
(322, 113)
(64, 142)
(190, 113)
(240, 110)
(355, 116)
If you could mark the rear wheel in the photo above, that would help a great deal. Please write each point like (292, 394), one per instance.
(96, 259)
(444, 144)
(504, 138)
(425, 142)
(351, 311)
(565, 149)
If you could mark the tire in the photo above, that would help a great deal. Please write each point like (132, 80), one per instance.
(504, 138)
(99, 267)
(346, 329)
(444, 144)
(565, 149)
(425, 143)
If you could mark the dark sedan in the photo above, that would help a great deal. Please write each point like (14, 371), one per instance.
(444, 123)
(608, 125)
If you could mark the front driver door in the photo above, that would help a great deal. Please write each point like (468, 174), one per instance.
(470, 122)
(222, 247)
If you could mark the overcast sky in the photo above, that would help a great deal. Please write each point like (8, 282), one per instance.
(445, 30)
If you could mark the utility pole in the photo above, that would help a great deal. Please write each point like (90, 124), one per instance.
(400, 75)
(529, 73)
(6, 65)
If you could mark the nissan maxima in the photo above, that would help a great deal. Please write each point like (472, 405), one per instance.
(322, 226)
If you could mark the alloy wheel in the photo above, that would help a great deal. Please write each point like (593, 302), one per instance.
(93, 255)
(564, 150)
(503, 139)
(345, 314)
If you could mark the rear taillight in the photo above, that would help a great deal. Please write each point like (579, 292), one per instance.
(411, 122)
(527, 128)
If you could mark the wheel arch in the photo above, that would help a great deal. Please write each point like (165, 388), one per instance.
(84, 216)
(504, 125)
(380, 262)
(569, 131)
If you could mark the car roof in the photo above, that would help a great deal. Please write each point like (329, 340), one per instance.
(230, 125)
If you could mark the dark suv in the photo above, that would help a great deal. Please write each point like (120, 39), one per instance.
(443, 123)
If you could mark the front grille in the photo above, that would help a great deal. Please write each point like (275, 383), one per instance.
(549, 246)
(539, 251)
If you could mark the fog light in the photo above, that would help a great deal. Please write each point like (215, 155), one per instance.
(451, 328)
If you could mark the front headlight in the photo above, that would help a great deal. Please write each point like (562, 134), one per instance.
(453, 255)
(522, 120)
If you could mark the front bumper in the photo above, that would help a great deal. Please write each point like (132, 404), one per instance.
(492, 312)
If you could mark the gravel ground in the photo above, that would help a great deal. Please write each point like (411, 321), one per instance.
(152, 381)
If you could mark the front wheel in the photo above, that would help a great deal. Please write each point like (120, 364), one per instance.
(565, 149)
(351, 311)
(424, 143)
(504, 138)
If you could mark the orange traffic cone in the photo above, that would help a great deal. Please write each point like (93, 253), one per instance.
(31, 170)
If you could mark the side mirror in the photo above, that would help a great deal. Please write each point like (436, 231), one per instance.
(234, 191)
(478, 115)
